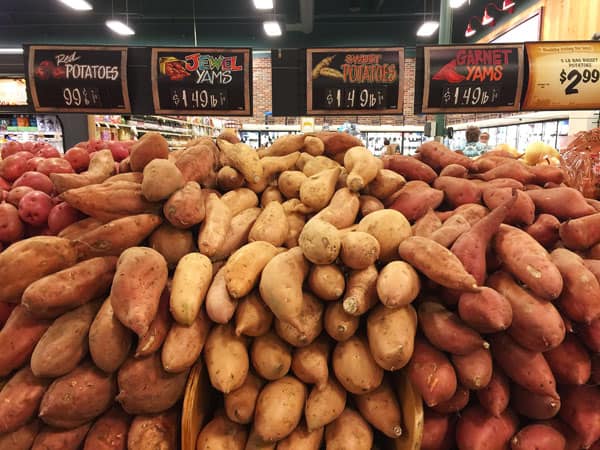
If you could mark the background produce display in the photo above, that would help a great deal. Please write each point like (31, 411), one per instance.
(310, 280)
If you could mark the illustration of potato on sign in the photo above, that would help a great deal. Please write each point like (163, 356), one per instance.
(323, 70)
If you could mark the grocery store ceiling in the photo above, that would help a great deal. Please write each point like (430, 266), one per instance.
(228, 22)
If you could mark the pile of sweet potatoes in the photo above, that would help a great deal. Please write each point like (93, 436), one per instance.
(308, 278)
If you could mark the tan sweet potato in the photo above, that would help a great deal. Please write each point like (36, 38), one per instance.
(479, 430)
(50, 438)
(381, 409)
(65, 343)
(114, 237)
(522, 210)
(220, 306)
(562, 202)
(536, 324)
(415, 199)
(348, 432)
(302, 439)
(317, 190)
(361, 291)
(109, 431)
(26, 261)
(252, 317)
(431, 373)
(391, 334)
(222, 434)
(237, 235)
(183, 344)
(172, 243)
(270, 194)
(545, 230)
(156, 334)
(495, 396)
(272, 166)
(362, 168)
(153, 431)
(161, 179)
(527, 368)
(312, 166)
(437, 263)
(135, 294)
(279, 408)
(101, 167)
(78, 228)
(310, 323)
(241, 403)
(354, 366)
(239, 200)
(226, 358)
(342, 209)
(385, 184)
(296, 223)
(244, 267)
(474, 370)
(145, 388)
(390, 228)
(284, 145)
(570, 361)
(324, 405)
(327, 281)
(150, 146)
(191, 281)
(271, 225)
(271, 357)
(338, 323)
(229, 178)
(20, 399)
(359, 250)
(243, 158)
(134, 177)
(369, 204)
(410, 168)
(109, 340)
(528, 261)
(185, 208)
(538, 436)
(20, 439)
(289, 183)
(309, 363)
(213, 231)
(78, 397)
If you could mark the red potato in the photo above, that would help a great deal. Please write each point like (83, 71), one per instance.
(522, 210)
(538, 437)
(438, 431)
(47, 151)
(32, 163)
(456, 403)
(35, 180)
(494, 398)
(61, 216)
(582, 233)
(14, 166)
(438, 156)
(570, 361)
(410, 168)
(532, 405)
(119, 150)
(458, 191)
(35, 207)
(527, 368)
(479, 430)
(11, 227)
(562, 202)
(54, 165)
(10, 148)
(487, 311)
(545, 230)
(79, 158)
(580, 410)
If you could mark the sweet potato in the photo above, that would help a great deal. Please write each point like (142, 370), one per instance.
(220, 306)
(527, 368)
(562, 202)
(197, 163)
(336, 142)
(509, 169)
(458, 191)
(78, 397)
(153, 431)
(414, 199)
(289, 183)
(220, 434)
(438, 430)
(50, 438)
(296, 223)
(65, 343)
(161, 179)
(454, 404)
(410, 168)
(358, 250)
(214, 229)
(438, 156)
(101, 167)
(229, 178)
(450, 231)
(536, 324)
(271, 225)
(580, 410)
(570, 361)
(538, 436)
(390, 228)
(590, 335)
(109, 431)
(20, 399)
(310, 323)
(273, 166)
(381, 409)
(20, 439)
(495, 396)
(324, 405)
(185, 208)
(446, 331)
(239, 200)
(109, 340)
(581, 233)
(431, 373)
(226, 358)
(309, 363)
(172, 243)
(302, 439)
(545, 230)
(338, 323)
(279, 408)
(26, 261)
(579, 299)
(252, 317)
(427, 224)
(244, 267)
(313, 165)
(362, 168)
(528, 261)
(243, 158)
(361, 291)
(67, 289)
(354, 366)
(385, 184)
(532, 405)
(369, 204)
(239, 230)
(454, 170)
(271, 357)
(474, 370)
(522, 211)
(487, 311)
(80, 227)
(150, 146)
(348, 432)
(157, 332)
(317, 190)
(270, 194)
(479, 430)
(241, 403)
(327, 281)
(183, 344)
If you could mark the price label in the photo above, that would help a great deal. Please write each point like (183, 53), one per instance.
(563, 75)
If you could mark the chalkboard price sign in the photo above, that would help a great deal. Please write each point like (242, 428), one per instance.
(472, 78)
(201, 81)
(78, 79)
(355, 80)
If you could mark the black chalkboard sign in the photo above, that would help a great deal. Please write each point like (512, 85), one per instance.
(472, 78)
(201, 81)
(355, 80)
(78, 79)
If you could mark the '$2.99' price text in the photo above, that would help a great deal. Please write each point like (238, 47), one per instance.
(576, 76)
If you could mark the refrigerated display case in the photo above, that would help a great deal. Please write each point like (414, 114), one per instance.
(31, 127)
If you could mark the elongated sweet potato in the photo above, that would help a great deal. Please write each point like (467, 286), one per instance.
(362, 167)
(20, 439)
(581, 233)
(241, 403)
(50, 438)
(438, 156)
(454, 170)
(214, 229)
(78, 228)
(220, 306)
(562, 202)
(545, 230)
(431, 373)
(522, 210)
(580, 410)
(495, 396)
(101, 166)
(458, 191)
(528, 261)
(183, 344)
(153, 431)
(410, 168)
(62, 291)
(532, 405)
(415, 199)
(157, 332)
(361, 291)
(590, 335)
(474, 370)
(342, 209)
(348, 432)
(570, 361)
(487, 311)
(109, 431)
(509, 169)
(479, 430)
(20, 399)
(427, 224)
(454, 404)
(536, 324)
(336, 142)
(226, 358)
(381, 409)
(191, 281)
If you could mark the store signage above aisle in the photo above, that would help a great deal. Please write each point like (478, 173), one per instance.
(77, 79)
(472, 78)
(206, 81)
(563, 76)
(355, 81)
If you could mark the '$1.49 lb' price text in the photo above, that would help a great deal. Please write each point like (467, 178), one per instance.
(576, 76)
(355, 98)
(469, 96)
(198, 99)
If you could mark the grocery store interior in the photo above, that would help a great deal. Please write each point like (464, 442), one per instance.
(300, 224)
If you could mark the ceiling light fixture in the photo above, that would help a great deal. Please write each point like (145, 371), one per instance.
(428, 28)
(272, 28)
(487, 19)
(457, 3)
(508, 5)
(263, 4)
(120, 27)
(470, 31)
(78, 5)
(11, 51)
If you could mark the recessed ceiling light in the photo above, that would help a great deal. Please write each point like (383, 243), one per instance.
(11, 51)
(457, 3)
(272, 28)
(428, 28)
(79, 5)
(120, 27)
(263, 4)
